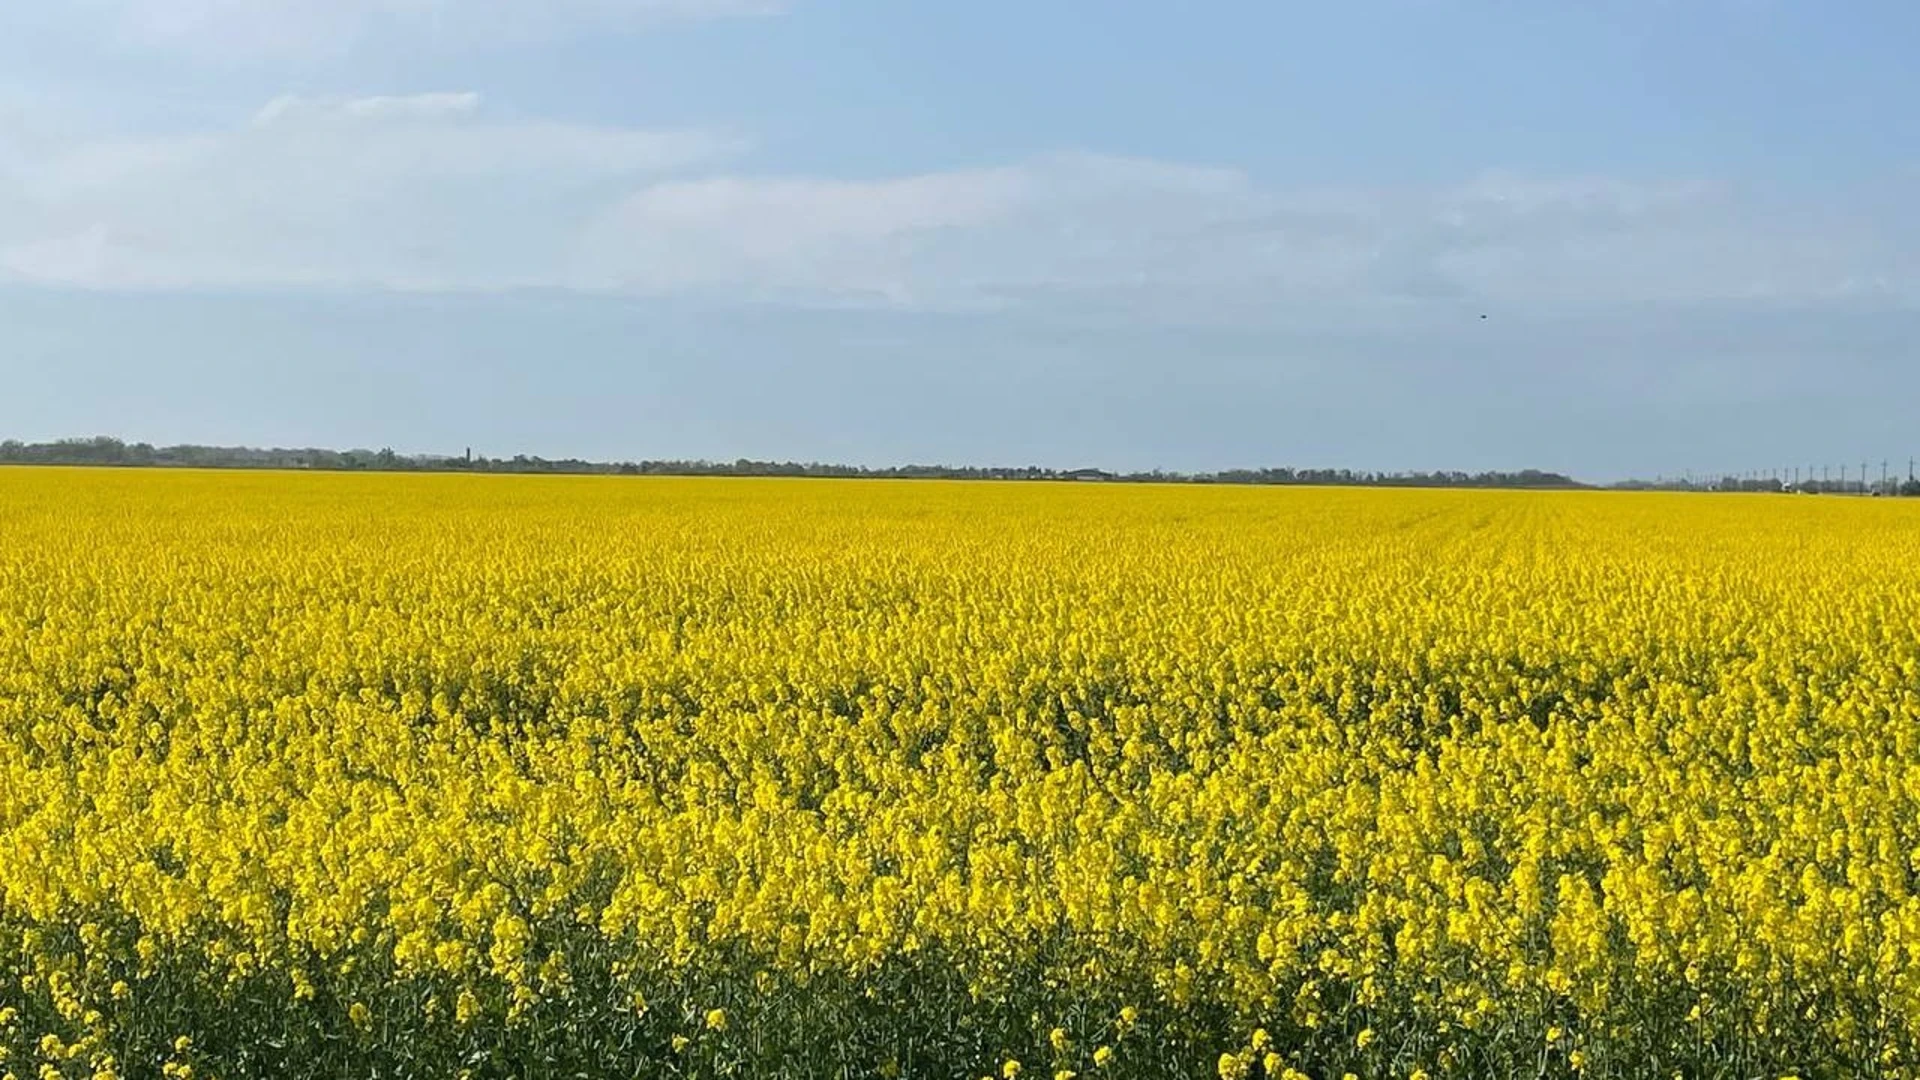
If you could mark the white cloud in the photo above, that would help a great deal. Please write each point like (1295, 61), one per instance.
(1580, 241)
(282, 28)
(414, 192)
(929, 238)
(1144, 235)
(74, 259)
(408, 107)
(961, 238)
(435, 191)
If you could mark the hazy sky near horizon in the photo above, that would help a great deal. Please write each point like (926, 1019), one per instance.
(1134, 234)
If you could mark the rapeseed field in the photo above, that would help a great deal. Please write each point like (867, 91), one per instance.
(457, 776)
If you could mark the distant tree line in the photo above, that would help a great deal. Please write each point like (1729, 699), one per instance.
(1524, 478)
(106, 451)
(1892, 485)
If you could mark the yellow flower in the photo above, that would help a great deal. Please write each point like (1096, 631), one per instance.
(1010, 1069)
(1364, 1039)
(679, 1043)
(716, 1020)
(1577, 1059)
(1103, 1056)
(359, 1015)
(1058, 1039)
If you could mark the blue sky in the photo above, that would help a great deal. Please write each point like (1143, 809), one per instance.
(1125, 233)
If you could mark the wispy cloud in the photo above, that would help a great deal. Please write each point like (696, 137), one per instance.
(437, 191)
(270, 29)
(1159, 236)
(435, 106)
(928, 239)
(426, 191)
